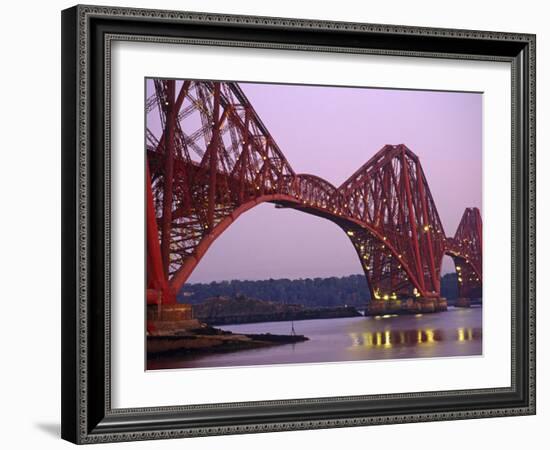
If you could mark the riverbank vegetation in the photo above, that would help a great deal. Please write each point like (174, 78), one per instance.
(350, 290)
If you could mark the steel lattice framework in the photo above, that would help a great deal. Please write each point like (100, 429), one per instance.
(466, 249)
(210, 158)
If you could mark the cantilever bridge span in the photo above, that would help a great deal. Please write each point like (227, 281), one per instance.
(210, 159)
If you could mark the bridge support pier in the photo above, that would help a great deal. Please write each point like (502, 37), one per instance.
(463, 302)
(431, 305)
(419, 305)
(169, 317)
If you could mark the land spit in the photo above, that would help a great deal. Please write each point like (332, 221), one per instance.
(193, 336)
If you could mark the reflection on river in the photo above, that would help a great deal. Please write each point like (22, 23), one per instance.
(456, 332)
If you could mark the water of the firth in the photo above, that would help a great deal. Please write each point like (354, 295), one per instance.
(456, 332)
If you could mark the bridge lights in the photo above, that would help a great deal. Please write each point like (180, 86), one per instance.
(426, 228)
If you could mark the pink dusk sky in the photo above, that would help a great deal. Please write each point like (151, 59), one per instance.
(331, 132)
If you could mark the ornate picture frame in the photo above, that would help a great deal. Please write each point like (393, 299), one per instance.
(88, 415)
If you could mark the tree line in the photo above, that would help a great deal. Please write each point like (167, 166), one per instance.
(350, 290)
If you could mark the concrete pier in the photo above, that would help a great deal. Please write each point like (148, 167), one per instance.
(170, 312)
(418, 305)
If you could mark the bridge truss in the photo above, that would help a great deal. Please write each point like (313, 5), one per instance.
(210, 158)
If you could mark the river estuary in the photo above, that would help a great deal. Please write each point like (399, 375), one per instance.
(456, 332)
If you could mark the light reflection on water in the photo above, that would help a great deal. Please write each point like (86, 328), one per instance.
(389, 338)
(457, 332)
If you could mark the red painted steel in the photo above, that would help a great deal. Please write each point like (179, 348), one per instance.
(466, 249)
(211, 158)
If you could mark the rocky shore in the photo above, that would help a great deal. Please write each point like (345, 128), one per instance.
(192, 336)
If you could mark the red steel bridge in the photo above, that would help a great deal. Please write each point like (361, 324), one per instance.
(210, 159)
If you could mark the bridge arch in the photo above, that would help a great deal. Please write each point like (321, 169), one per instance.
(466, 250)
(356, 232)
(468, 275)
(210, 159)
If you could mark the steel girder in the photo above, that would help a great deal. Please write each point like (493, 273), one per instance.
(210, 158)
(466, 249)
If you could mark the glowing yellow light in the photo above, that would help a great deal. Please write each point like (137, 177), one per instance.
(350, 233)
(461, 336)
(459, 280)
(387, 337)
(430, 336)
(393, 296)
(377, 294)
(458, 268)
(426, 227)
(367, 339)
(386, 297)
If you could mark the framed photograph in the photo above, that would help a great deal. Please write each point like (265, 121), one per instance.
(281, 224)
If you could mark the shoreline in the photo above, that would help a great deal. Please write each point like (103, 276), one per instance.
(285, 316)
(206, 339)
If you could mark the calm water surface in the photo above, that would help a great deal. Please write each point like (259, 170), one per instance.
(456, 332)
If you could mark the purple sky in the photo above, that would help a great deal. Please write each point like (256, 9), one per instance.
(331, 132)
